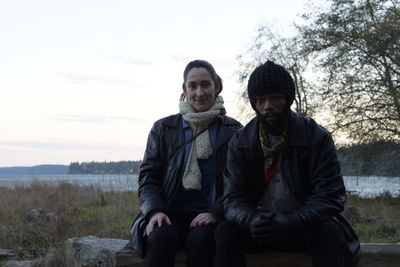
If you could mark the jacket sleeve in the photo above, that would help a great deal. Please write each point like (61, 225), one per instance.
(151, 175)
(217, 209)
(239, 202)
(326, 191)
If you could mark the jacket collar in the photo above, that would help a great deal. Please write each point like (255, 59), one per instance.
(297, 131)
(226, 130)
(297, 135)
(224, 134)
(176, 120)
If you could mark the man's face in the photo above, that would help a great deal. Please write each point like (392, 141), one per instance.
(271, 107)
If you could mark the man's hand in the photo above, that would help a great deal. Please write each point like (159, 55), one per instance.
(158, 218)
(261, 229)
(265, 229)
(203, 219)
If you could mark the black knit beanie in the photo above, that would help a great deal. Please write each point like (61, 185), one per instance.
(270, 78)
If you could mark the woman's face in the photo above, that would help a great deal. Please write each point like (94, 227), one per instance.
(200, 89)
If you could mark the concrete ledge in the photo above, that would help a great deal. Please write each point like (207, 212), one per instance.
(108, 252)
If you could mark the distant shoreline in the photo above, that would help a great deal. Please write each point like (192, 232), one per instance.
(119, 167)
(375, 159)
(45, 169)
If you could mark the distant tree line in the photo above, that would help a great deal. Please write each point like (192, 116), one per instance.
(120, 167)
(378, 158)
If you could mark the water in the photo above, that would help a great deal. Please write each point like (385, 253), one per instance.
(372, 186)
(105, 182)
(364, 186)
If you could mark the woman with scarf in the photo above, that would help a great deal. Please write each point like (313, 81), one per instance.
(180, 179)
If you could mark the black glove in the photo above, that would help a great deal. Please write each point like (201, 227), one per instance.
(262, 228)
(268, 227)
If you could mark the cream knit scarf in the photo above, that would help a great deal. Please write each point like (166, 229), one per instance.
(201, 145)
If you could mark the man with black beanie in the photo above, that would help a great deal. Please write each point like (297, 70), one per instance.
(283, 187)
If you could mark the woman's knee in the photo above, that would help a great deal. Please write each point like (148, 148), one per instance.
(165, 234)
(201, 237)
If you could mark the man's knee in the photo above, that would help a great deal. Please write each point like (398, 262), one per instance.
(328, 233)
(328, 229)
(227, 230)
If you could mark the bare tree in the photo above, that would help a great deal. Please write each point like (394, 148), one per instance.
(285, 51)
(356, 43)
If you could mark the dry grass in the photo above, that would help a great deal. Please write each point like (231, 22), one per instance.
(79, 212)
(89, 211)
(380, 218)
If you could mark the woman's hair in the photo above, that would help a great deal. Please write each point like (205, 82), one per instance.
(203, 64)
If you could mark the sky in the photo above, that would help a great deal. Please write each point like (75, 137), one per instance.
(84, 80)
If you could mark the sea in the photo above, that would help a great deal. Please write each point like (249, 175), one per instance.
(363, 186)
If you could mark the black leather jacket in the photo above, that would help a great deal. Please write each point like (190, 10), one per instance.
(309, 164)
(162, 168)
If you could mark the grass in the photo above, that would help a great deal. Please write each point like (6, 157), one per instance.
(380, 221)
(79, 212)
(89, 211)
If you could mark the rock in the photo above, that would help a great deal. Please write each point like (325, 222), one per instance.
(371, 219)
(51, 217)
(23, 264)
(6, 254)
(351, 214)
(34, 214)
(9, 254)
(2, 228)
(92, 251)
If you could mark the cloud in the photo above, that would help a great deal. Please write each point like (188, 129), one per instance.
(185, 58)
(182, 58)
(131, 60)
(100, 119)
(82, 78)
(68, 145)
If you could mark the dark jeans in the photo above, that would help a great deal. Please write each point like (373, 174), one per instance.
(164, 241)
(324, 242)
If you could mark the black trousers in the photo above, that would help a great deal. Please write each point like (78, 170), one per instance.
(324, 242)
(164, 241)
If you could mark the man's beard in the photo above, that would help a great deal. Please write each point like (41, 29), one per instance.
(278, 124)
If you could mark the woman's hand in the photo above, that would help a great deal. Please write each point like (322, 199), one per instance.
(158, 218)
(203, 219)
